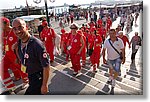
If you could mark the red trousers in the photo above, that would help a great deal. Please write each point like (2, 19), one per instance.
(95, 57)
(9, 63)
(50, 50)
(75, 60)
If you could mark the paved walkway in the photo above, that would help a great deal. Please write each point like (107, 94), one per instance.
(62, 80)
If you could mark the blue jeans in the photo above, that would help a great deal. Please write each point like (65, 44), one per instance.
(115, 64)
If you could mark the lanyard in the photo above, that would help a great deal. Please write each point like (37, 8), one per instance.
(24, 52)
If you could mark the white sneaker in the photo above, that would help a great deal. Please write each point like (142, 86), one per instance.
(75, 73)
(25, 85)
(113, 83)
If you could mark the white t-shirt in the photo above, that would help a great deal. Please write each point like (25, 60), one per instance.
(111, 53)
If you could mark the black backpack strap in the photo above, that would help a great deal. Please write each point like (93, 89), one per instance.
(114, 47)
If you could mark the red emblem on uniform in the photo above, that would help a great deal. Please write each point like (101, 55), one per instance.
(26, 56)
(44, 55)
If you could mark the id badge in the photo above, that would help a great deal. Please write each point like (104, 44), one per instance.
(69, 47)
(6, 48)
(23, 68)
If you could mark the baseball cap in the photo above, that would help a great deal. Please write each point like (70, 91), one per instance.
(4, 20)
(74, 26)
(44, 23)
(120, 32)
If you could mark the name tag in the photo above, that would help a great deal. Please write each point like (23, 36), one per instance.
(69, 47)
(6, 48)
(23, 68)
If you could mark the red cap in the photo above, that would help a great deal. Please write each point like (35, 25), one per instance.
(44, 23)
(63, 31)
(4, 19)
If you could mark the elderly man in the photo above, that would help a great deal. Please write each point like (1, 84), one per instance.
(124, 38)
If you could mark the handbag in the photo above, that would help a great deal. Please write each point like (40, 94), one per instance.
(120, 53)
(139, 42)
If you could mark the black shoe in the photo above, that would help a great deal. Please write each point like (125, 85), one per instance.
(109, 81)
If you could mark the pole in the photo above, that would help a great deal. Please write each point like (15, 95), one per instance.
(47, 17)
(27, 7)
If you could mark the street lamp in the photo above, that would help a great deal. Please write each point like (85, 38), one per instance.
(39, 1)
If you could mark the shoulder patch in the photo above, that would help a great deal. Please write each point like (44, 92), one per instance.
(45, 55)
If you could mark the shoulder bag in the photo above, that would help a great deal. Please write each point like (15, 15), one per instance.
(120, 53)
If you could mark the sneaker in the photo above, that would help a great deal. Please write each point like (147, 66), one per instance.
(75, 73)
(109, 81)
(113, 83)
(24, 86)
(94, 70)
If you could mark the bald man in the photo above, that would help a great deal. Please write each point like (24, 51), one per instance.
(33, 57)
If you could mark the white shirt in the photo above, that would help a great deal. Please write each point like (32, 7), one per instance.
(111, 53)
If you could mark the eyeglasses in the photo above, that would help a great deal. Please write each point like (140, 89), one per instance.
(18, 28)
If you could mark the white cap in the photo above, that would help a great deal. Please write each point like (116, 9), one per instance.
(120, 32)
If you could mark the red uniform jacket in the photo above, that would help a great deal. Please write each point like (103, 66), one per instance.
(75, 44)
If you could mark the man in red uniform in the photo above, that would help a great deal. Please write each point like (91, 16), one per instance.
(95, 57)
(75, 48)
(83, 53)
(100, 22)
(104, 33)
(124, 38)
(64, 41)
(9, 60)
(109, 23)
(48, 36)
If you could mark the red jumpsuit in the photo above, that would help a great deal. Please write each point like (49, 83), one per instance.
(64, 42)
(9, 61)
(100, 22)
(90, 42)
(104, 34)
(83, 53)
(74, 47)
(95, 57)
(49, 36)
(109, 23)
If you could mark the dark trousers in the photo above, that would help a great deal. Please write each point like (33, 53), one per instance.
(133, 55)
(35, 83)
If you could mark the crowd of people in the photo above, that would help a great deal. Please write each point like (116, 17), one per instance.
(29, 57)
